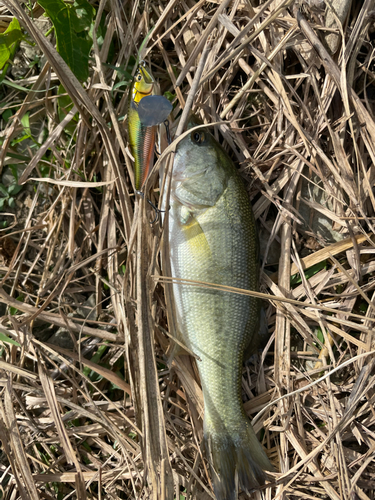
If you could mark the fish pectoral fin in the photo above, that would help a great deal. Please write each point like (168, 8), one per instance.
(194, 234)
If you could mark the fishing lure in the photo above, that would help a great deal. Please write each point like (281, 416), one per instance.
(141, 137)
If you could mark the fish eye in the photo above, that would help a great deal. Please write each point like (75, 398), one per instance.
(197, 136)
(139, 77)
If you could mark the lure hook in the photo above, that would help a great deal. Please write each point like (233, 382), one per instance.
(167, 131)
(155, 208)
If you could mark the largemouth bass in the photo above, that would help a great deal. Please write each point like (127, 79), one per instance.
(212, 238)
(141, 137)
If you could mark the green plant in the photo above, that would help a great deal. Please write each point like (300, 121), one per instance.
(9, 41)
(73, 24)
(8, 340)
(10, 190)
(7, 194)
(296, 278)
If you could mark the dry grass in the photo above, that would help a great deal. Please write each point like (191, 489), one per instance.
(103, 416)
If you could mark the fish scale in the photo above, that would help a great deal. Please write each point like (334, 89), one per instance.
(212, 238)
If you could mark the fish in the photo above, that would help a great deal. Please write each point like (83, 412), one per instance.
(212, 238)
(141, 138)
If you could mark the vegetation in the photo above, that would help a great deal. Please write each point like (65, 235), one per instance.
(91, 406)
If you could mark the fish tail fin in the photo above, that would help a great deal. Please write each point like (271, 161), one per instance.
(236, 462)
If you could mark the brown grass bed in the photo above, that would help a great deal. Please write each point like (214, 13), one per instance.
(96, 412)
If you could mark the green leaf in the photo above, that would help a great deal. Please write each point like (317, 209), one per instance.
(64, 102)
(23, 138)
(64, 105)
(14, 310)
(14, 189)
(87, 446)
(25, 120)
(8, 41)
(143, 45)
(171, 97)
(7, 114)
(14, 171)
(23, 89)
(5, 338)
(73, 25)
(320, 335)
(363, 306)
(45, 170)
(125, 72)
(98, 356)
(123, 83)
(296, 278)
(4, 191)
(18, 157)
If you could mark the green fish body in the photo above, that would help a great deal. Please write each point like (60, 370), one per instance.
(212, 238)
(141, 138)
